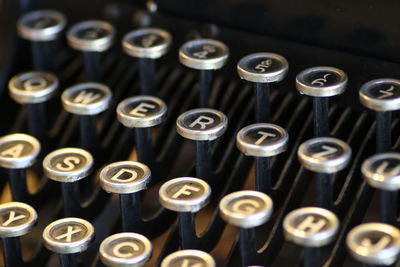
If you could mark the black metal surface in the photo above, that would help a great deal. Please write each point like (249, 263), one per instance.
(363, 28)
(263, 175)
(12, 251)
(321, 121)
(261, 94)
(147, 75)
(144, 146)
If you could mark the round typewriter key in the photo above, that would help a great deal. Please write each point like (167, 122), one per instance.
(188, 257)
(142, 113)
(17, 153)
(126, 178)
(92, 35)
(87, 100)
(374, 243)
(33, 89)
(320, 83)
(246, 210)
(204, 55)
(92, 38)
(186, 195)
(146, 45)
(68, 236)
(382, 96)
(125, 249)
(202, 125)
(67, 166)
(324, 156)
(262, 69)
(262, 141)
(311, 228)
(41, 27)
(16, 219)
(382, 171)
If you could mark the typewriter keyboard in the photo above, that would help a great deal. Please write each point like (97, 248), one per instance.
(150, 144)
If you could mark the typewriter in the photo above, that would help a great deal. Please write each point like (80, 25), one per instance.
(199, 133)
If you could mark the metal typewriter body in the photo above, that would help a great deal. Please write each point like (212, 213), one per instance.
(293, 186)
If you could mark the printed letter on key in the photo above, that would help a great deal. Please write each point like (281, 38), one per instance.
(142, 109)
(203, 121)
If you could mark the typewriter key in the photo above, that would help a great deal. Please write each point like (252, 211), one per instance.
(67, 166)
(311, 228)
(146, 45)
(382, 171)
(41, 27)
(262, 69)
(17, 153)
(185, 195)
(142, 113)
(324, 156)
(202, 125)
(246, 209)
(16, 219)
(126, 178)
(262, 141)
(374, 243)
(125, 250)
(382, 96)
(188, 257)
(68, 236)
(33, 89)
(92, 38)
(204, 55)
(86, 100)
(321, 83)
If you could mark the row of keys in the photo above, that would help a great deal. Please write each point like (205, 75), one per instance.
(309, 227)
(205, 55)
(70, 165)
(69, 236)
(324, 155)
(138, 112)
